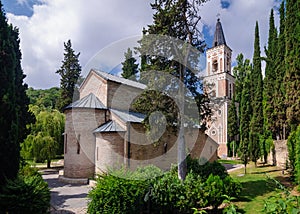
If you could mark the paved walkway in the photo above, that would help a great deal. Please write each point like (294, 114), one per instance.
(66, 198)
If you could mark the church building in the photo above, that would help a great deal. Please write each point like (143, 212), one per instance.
(220, 85)
(102, 131)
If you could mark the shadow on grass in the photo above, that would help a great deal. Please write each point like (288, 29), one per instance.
(267, 171)
(252, 189)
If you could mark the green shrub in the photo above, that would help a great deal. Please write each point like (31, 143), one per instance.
(206, 169)
(217, 189)
(25, 194)
(121, 191)
(148, 190)
(283, 202)
(171, 194)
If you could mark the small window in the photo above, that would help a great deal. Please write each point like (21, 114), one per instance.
(66, 143)
(213, 132)
(211, 149)
(230, 91)
(78, 144)
(219, 112)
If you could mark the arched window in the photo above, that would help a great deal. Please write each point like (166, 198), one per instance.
(215, 65)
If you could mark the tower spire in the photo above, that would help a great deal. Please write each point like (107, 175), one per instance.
(219, 38)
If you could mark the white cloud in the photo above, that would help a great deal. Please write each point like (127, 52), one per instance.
(95, 24)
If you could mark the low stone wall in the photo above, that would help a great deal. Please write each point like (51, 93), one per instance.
(279, 154)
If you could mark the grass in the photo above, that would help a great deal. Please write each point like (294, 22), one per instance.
(229, 161)
(256, 186)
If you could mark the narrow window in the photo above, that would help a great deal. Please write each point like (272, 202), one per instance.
(78, 144)
(215, 66)
(230, 91)
(66, 143)
(97, 153)
(211, 149)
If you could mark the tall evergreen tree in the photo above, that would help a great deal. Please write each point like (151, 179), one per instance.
(14, 102)
(269, 81)
(292, 63)
(130, 68)
(239, 72)
(245, 118)
(256, 124)
(279, 92)
(69, 72)
(232, 126)
(177, 19)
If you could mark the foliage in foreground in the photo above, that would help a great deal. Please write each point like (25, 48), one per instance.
(28, 193)
(283, 202)
(131, 192)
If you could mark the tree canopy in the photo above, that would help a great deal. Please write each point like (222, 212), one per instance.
(45, 140)
(130, 67)
(13, 100)
(70, 72)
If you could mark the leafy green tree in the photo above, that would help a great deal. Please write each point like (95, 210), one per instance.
(130, 68)
(232, 126)
(269, 80)
(44, 98)
(177, 19)
(279, 92)
(45, 139)
(256, 123)
(70, 72)
(13, 100)
(292, 63)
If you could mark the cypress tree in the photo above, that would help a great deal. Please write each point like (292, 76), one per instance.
(279, 92)
(130, 68)
(232, 126)
(256, 124)
(14, 103)
(70, 73)
(292, 63)
(269, 80)
(245, 117)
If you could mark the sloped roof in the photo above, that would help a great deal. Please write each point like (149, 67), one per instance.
(121, 80)
(129, 116)
(89, 101)
(219, 38)
(110, 126)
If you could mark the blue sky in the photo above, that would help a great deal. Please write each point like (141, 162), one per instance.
(97, 26)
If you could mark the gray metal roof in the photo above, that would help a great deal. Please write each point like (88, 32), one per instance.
(89, 101)
(121, 80)
(219, 38)
(129, 116)
(110, 126)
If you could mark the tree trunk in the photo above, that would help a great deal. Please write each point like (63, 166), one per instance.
(181, 153)
(48, 164)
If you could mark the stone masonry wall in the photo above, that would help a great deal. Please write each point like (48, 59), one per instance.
(121, 96)
(79, 138)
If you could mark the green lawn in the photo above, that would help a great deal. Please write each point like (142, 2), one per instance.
(229, 161)
(256, 186)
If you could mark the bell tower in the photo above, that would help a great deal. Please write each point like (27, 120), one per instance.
(219, 84)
